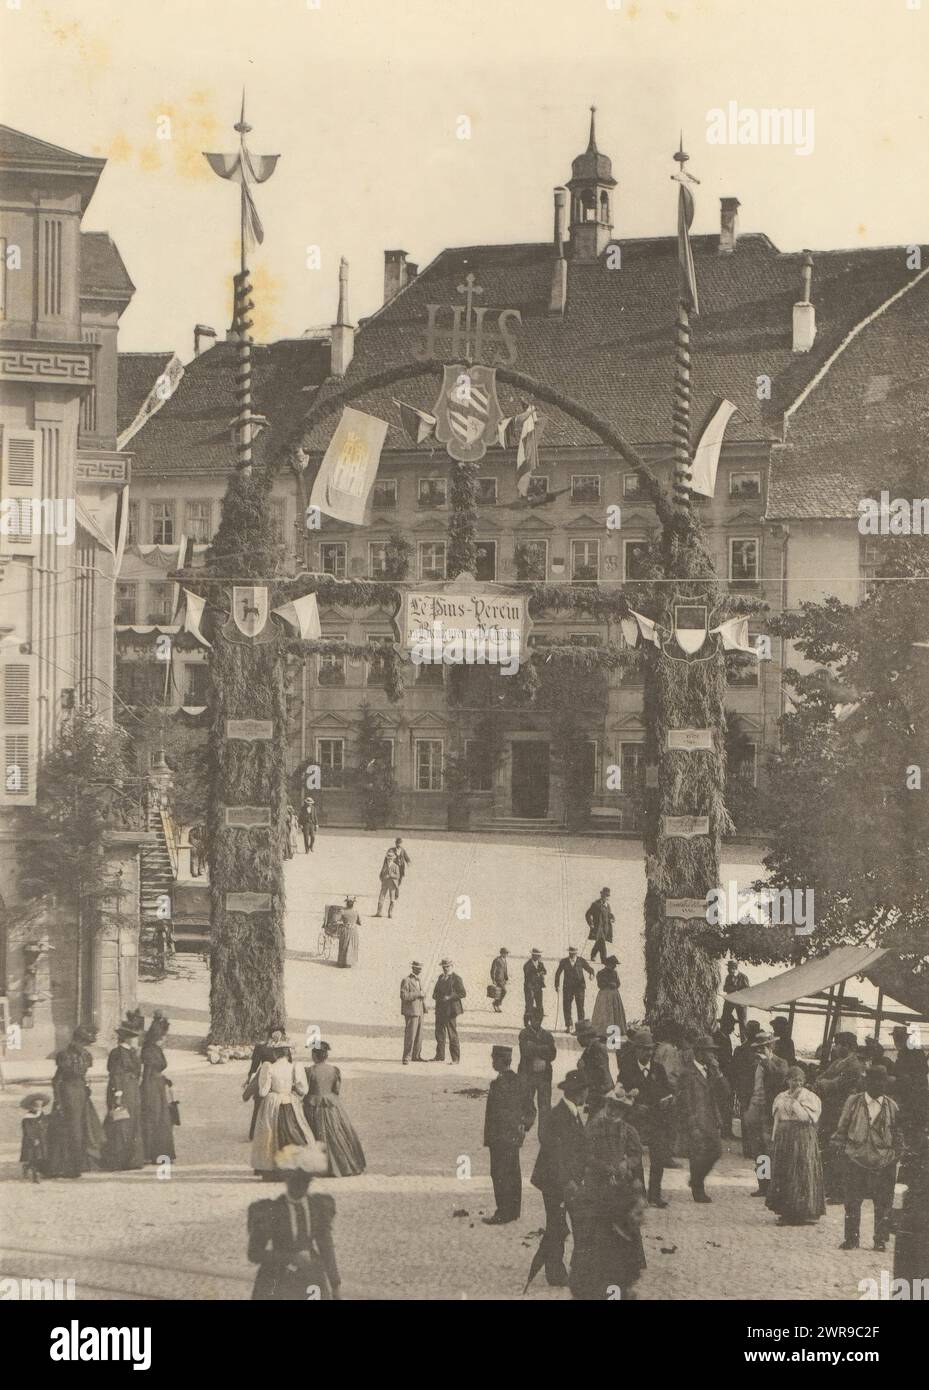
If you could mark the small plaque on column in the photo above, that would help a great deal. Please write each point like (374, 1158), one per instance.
(247, 817)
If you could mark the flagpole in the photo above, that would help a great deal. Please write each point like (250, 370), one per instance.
(243, 307)
(681, 432)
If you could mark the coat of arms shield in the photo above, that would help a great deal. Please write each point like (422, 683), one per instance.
(690, 626)
(467, 412)
(250, 609)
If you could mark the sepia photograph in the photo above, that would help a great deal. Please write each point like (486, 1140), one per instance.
(464, 603)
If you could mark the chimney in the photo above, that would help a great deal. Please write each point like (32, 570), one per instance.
(559, 294)
(343, 334)
(397, 273)
(728, 225)
(804, 311)
(202, 330)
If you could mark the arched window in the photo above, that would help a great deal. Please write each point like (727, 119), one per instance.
(604, 206)
(588, 205)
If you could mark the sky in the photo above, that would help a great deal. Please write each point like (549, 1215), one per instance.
(363, 100)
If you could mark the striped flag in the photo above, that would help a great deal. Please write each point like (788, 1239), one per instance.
(417, 424)
(523, 432)
(734, 636)
(706, 455)
(302, 614)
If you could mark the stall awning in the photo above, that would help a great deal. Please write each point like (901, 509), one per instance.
(810, 978)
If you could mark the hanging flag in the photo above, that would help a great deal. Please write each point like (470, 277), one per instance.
(734, 636)
(193, 616)
(685, 256)
(346, 474)
(302, 614)
(245, 168)
(185, 558)
(523, 433)
(706, 455)
(417, 424)
(647, 628)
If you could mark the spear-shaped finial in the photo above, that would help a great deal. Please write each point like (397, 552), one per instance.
(240, 124)
(592, 142)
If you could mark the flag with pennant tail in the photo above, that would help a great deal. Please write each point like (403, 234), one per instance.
(245, 169)
(346, 474)
(706, 454)
(302, 614)
(418, 425)
(734, 636)
(193, 616)
(685, 255)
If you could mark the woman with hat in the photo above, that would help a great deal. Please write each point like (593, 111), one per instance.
(796, 1190)
(157, 1123)
(608, 1011)
(290, 1238)
(327, 1119)
(349, 922)
(75, 1140)
(123, 1124)
(770, 1078)
(280, 1120)
(607, 1211)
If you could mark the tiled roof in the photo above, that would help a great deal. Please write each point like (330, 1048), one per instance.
(613, 348)
(867, 414)
(138, 373)
(18, 148)
(191, 433)
(102, 268)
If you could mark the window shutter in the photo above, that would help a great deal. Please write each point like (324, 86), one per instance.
(19, 484)
(18, 706)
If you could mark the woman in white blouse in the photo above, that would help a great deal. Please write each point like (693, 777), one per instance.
(280, 1120)
(796, 1190)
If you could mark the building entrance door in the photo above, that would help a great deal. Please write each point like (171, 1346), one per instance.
(529, 779)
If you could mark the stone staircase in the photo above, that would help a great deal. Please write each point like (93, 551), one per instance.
(157, 879)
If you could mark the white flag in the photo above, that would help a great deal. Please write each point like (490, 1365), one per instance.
(706, 456)
(734, 636)
(346, 474)
(647, 628)
(302, 614)
(193, 616)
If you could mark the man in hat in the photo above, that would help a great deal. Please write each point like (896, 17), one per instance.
(570, 974)
(412, 1009)
(645, 1079)
(742, 1073)
(447, 994)
(509, 1114)
(770, 1078)
(537, 1051)
(599, 918)
(869, 1141)
(499, 978)
(594, 1064)
(559, 1170)
(393, 870)
(702, 1101)
(735, 980)
(909, 1090)
(534, 973)
(308, 821)
(290, 1237)
(834, 1084)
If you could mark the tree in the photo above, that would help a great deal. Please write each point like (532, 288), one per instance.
(373, 772)
(848, 799)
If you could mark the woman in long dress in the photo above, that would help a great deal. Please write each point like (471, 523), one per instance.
(280, 1120)
(75, 1138)
(327, 1118)
(796, 1189)
(348, 935)
(123, 1124)
(606, 1214)
(608, 1008)
(157, 1125)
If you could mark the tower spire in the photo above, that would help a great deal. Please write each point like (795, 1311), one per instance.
(592, 142)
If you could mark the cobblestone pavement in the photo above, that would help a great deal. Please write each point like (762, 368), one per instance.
(410, 1227)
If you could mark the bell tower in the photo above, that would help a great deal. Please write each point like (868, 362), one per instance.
(591, 187)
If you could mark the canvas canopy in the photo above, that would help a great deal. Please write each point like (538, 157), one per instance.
(810, 978)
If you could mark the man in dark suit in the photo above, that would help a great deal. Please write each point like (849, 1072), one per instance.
(499, 977)
(559, 1170)
(448, 994)
(534, 973)
(508, 1115)
(594, 1065)
(702, 1102)
(650, 1117)
(735, 980)
(599, 918)
(570, 975)
(537, 1051)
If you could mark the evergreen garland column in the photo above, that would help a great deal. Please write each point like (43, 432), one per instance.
(462, 523)
(247, 956)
